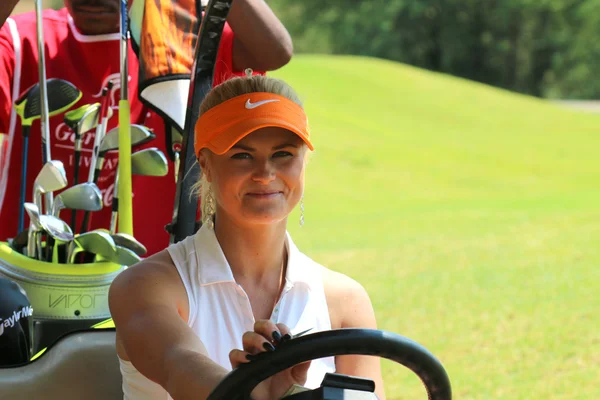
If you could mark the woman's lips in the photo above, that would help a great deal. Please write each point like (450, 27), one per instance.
(263, 195)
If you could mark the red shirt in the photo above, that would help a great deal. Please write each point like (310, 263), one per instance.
(87, 62)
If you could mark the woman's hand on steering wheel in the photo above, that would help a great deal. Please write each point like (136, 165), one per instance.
(264, 338)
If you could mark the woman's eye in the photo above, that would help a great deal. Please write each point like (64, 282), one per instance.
(241, 156)
(282, 154)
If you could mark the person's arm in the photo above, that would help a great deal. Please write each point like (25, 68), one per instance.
(7, 71)
(6, 8)
(352, 308)
(148, 304)
(261, 42)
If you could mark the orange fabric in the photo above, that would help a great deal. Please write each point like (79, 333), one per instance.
(168, 38)
(222, 126)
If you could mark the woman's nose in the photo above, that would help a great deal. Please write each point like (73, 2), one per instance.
(264, 172)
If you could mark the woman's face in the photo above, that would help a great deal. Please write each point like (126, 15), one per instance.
(261, 179)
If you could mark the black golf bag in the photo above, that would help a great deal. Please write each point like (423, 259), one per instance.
(16, 324)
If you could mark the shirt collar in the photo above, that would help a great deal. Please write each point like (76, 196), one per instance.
(214, 267)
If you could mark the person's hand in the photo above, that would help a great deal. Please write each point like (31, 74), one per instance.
(265, 337)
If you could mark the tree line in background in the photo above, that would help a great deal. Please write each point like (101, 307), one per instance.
(545, 48)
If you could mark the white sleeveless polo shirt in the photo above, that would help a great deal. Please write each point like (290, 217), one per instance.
(220, 312)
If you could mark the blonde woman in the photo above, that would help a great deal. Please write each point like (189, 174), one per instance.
(187, 315)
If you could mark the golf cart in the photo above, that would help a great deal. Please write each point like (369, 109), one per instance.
(84, 365)
(77, 361)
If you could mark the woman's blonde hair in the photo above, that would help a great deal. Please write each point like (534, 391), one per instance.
(227, 90)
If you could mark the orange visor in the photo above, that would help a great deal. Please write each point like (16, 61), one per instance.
(222, 126)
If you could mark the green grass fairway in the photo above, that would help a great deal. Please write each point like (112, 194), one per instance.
(470, 214)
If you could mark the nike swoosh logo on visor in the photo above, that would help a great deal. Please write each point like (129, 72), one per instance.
(250, 105)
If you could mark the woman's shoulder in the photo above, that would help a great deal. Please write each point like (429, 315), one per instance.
(156, 266)
(340, 286)
(334, 282)
(154, 271)
(152, 282)
(348, 302)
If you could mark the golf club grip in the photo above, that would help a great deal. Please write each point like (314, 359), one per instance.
(44, 117)
(73, 220)
(93, 159)
(205, 56)
(86, 222)
(124, 171)
(98, 170)
(76, 160)
(49, 247)
(125, 184)
(114, 215)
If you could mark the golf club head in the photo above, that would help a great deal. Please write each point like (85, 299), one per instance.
(149, 162)
(139, 135)
(61, 95)
(56, 227)
(34, 214)
(52, 177)
(83, 119)
(34, 226)
(126, 257)
(97, 242)
(128, 241)
(84, 196)
(58, 232)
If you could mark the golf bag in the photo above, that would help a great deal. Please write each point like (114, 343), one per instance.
(64, 297)
(16, 324)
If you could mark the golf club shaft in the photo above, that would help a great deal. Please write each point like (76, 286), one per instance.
(77, 158)
(125, 189)
(71, 252)
(31, 242)
(95, 160)
(115, 204)
(44, 121)
(25, 152)
(100, 129)
(37, 199)
(97, 140)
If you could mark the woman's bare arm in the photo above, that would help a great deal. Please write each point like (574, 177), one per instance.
(350, 307)
(148, 303)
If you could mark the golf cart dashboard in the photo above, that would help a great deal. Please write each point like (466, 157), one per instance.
(339, 387)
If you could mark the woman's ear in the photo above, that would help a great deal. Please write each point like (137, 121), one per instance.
(203, 161)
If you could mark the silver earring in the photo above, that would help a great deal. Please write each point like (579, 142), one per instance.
(302, 210)
(210, 209)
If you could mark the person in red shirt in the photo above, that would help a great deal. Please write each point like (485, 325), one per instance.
(82, 47)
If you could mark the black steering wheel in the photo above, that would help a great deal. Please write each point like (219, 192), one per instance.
(240, 382)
